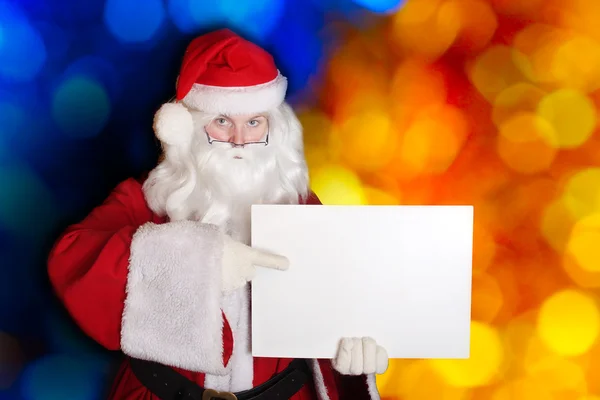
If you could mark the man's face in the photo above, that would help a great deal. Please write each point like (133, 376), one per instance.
(238, 129)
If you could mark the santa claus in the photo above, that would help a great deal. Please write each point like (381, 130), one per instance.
(161, 270)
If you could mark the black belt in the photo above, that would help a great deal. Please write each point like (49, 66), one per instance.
(167, 384)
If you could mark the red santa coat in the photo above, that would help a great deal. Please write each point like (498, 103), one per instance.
(137, 283)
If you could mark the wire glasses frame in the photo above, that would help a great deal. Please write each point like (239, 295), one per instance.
(234, 145)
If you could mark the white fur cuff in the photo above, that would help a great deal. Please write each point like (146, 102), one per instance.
(172, 311)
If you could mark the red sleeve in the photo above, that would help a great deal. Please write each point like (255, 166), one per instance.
(88, 264)
(150, 289)
(312, 199)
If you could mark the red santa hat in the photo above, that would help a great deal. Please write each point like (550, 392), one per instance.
(223, 73)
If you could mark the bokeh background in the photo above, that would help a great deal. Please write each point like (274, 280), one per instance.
(486, 102)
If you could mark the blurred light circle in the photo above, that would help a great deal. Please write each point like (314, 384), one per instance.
(98, 69)
(521, 97)
(434, 139)
(425, 16)
(379, 197)
(381, 6)
(417, 380)
(180, 12)
(59, 377)
(415, 86)
(582, 192)
(477, 21)
(11, 360)
(131, 22)
(584, 278)
(483, 365)
(560, 374)
(569, 322)
(494, 71)
(22, 51)
(556, 224)
(336, 185)
(254, 19)
(81, 107)
(296, 41)
(536, 46)
(525, 143)
(576, 64)
(317, 128)
(572, 114)
(354, 82)
(367, 141)
(28, 207)
(584, 243)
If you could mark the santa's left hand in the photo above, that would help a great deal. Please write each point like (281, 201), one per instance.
(358, 356)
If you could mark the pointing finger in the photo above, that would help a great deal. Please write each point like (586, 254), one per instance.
(269, 260)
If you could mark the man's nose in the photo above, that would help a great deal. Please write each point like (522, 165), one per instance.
(238, 136)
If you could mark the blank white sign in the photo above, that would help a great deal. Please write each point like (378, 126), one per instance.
(399, 274)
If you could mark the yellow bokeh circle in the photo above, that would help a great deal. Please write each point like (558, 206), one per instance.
(334, 184)
(556, 224)
(421, 16)
(521, 97)
(569, 322)
(572, 115)
(576, 64)
(483, 365)
(582, 193)
(367, 141)
(584, 243)
(494, 71)
(525, 143)
(433, 141)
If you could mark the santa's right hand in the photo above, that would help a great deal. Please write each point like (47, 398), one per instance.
(240, 261)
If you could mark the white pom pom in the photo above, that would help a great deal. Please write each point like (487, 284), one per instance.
(173, 124)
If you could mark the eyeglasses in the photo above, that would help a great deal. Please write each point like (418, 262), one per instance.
(234, 145)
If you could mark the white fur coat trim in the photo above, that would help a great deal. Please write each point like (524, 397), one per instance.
(172, 311)
(237, 100)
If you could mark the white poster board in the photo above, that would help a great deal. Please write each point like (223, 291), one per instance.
(399, 274)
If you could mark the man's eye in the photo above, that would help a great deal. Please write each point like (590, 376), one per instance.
(222, 121)
(253, 122)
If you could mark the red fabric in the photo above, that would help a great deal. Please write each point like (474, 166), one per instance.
(222, 58)
(88, 269)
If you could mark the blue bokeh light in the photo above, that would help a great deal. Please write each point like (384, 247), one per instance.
(99, 70)
(132, 21)
(81, 107)
(180, 12)
(59, 377)
(381, 6)
(298, 49)
(27, 209)
(22, 51)
(253, 19)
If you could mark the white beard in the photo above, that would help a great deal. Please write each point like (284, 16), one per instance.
(228, 186)
(207, 183)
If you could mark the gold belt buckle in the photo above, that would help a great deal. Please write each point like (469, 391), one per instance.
(210, 394)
